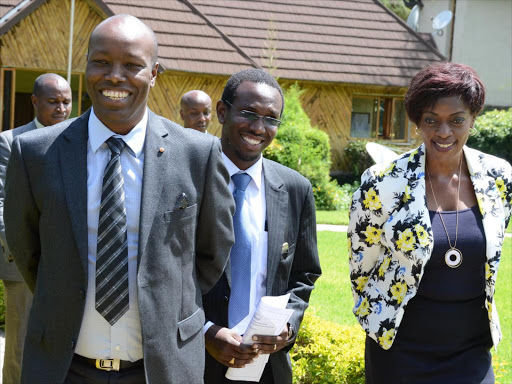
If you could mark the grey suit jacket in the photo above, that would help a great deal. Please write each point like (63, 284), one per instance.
(8, 270)
(182, 252)
(291, 219)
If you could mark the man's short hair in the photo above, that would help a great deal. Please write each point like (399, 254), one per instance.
(252, 75)
(39, 83)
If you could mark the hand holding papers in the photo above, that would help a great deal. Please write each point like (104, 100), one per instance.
(270, 319)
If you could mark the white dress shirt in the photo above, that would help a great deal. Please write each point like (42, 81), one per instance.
(98, 339)
(255, 209)
(37, 123)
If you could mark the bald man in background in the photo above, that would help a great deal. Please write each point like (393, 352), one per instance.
(196, 110)
(51, 99)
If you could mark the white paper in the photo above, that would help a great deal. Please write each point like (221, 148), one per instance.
(269, 319)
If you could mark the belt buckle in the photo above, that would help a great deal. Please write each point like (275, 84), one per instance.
(108, 364)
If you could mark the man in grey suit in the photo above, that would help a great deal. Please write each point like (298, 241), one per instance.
(109, 219)
(275, 250)
(51, 99)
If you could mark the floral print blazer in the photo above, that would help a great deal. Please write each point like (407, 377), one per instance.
(390, 236)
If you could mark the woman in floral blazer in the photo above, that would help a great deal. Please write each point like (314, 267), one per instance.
(428, 320)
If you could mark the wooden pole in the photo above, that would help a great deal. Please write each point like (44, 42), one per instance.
(70, 52)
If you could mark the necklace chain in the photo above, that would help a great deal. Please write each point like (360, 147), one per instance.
(456, 208)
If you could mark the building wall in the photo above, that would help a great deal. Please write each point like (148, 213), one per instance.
(41, 39)
(482, 39)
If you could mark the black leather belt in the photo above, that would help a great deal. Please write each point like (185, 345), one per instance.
(110, 364)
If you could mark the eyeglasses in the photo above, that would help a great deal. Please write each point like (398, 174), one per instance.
(268, 121)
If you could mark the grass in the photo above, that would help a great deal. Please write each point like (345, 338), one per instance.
(341, 218)
(332, 217)
(332, 298)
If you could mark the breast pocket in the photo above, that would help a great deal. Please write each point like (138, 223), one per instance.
(180, 214)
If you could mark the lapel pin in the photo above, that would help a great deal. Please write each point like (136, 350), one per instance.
(161, 150)
(284, 249)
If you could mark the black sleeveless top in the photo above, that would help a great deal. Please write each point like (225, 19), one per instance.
(444, 336)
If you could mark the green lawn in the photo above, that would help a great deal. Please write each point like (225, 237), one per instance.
(332, 298)
(341, 218)
(332, 217)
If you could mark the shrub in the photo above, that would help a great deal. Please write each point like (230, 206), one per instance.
(347, 190)
(493, 133)
(326, 352)
(357, 157)
(305, 149)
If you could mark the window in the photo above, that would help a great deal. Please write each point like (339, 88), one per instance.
(379, 118)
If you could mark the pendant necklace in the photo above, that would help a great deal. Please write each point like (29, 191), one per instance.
(453, 256)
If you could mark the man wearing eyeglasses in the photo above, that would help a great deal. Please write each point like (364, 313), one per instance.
(275, 250)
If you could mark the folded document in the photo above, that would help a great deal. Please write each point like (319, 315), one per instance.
(269, 319)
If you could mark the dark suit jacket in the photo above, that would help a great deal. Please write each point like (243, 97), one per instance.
(291, 219)
(182, 252)
(8, 269)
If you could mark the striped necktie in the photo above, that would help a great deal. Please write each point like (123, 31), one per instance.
(240, 256)
(112, 298)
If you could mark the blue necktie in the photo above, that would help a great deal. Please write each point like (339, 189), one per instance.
(240, 256)
(112, 299)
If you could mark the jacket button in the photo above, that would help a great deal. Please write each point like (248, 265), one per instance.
(82, 294)
(73, 343)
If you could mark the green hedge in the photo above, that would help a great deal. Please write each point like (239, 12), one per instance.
(493, 134)
(306, 149)
(326, 352)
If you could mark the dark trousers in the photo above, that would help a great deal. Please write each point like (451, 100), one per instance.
(85, 373)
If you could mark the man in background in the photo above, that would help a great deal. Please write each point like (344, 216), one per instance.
(51, 99)
(275, 251)
(196, 110)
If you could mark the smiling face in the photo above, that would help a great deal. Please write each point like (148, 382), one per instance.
(53, 104)
(120, 72)
(243, 140)
(445, 128)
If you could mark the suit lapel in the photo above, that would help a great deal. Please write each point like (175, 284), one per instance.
(73, 163)
(156, 173)
(276, 203)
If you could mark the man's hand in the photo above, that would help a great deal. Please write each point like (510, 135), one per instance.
(271, 344)
(224, 345)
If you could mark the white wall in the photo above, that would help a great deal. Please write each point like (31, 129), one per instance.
(482, 39)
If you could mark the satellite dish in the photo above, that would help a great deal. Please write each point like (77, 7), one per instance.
(412, 20)
(441, 21)
(381, 154)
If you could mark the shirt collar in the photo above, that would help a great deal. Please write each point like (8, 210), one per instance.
(254, 170)
(37, 123)
(99, 133)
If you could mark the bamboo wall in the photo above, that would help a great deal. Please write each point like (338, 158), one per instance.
(40, 41)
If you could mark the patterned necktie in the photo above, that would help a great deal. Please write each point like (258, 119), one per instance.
(240, 256)
(112, 298)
